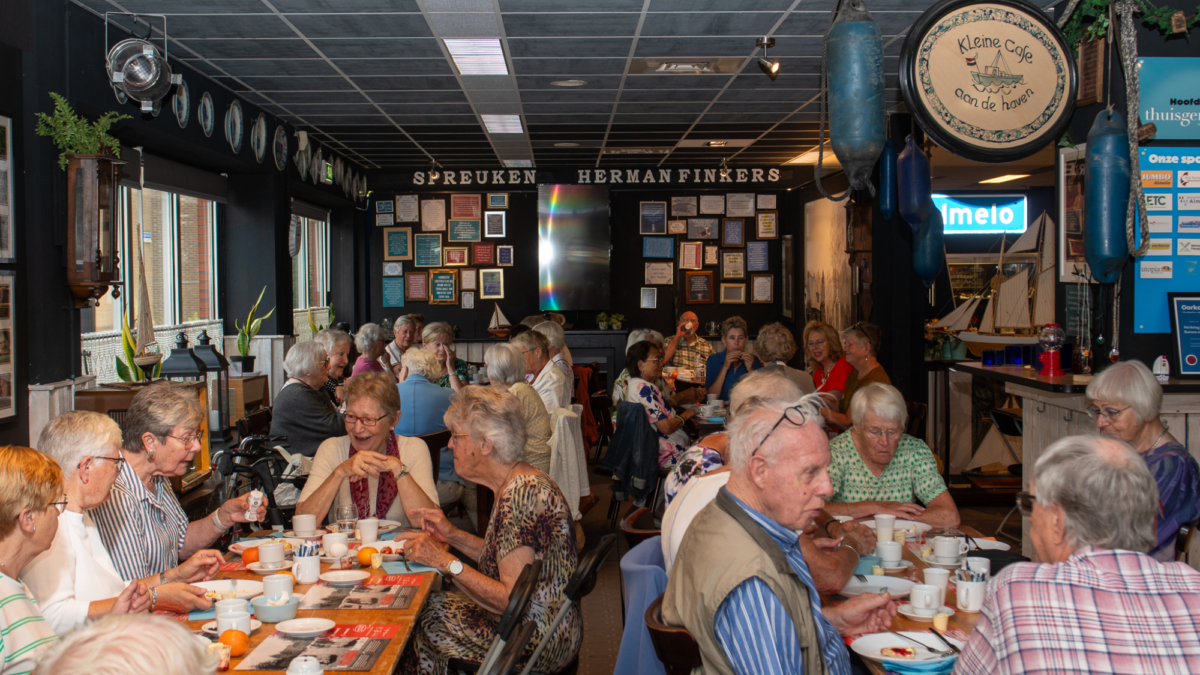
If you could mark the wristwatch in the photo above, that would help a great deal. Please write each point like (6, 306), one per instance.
(454, 569)
(403, 470)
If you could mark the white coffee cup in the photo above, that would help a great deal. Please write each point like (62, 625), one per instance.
(884, 526)
(971, 594)
(307, 569)
(947, 550)
(978, 565)
(889, 552)
(935, 576)
(277, 585)
(368, 530)
(233, 621)
(304, 526)
(270, 556)
(230, 606)
(712, 398)
(305, 665)
(707, 410)
(925, 599)
(330, 539)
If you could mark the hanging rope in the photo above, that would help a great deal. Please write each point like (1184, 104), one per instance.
(837, 5)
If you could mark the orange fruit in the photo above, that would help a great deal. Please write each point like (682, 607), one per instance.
(293, 576)
(250, 555)
(239, 642)
(364, 555)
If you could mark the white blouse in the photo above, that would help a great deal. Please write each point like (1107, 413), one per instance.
(74, 572)
(413, 452)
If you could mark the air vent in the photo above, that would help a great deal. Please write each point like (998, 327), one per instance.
(695, 66)
(637, 151)
(518, 162)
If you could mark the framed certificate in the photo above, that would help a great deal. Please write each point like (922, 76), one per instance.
(465, 207)
(767, 224)
(483, 254)
(497, 200)
(408, 209)
(703, 228)
(733, 265)
(491, 284)
(393, 291)
(676, 227)
(699, 287)
(493, 224)
(416, 286)
(397, 243)
(433, 215)
(712, 255)
(466, 279)
(504, 256)
(762, 288)
(660, 274)
(652, 218)
(683, 206)
(649, 298)
(463, 231)
(739, 205)
(393, 269)
(385, 206)
(443, 287)
(428, 250)
(468, 299)
(691, 255)
(733, 294)
(733, 232)
(712, 204)
(756, 256)
(384, 219)
(658, 247)
(456, 256)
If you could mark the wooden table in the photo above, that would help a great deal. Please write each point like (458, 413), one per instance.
(404, 618)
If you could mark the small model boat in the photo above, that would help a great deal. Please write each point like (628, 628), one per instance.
(499, 324)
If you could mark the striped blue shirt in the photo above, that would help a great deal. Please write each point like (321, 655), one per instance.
(756, 632)
(142, 530)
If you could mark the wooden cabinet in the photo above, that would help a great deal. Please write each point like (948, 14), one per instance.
(247, 394)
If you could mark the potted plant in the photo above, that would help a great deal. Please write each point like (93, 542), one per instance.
(74, 135)
(614, 321)
(246, 333)
(602, 320)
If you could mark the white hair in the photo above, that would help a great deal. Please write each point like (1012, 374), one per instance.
(423, 363)
(640, 334)
(1131, 383)
(554, 333)
(128, 644)
(404, 320)
(489, 414)
(305, 359)
(369, 334)
(505, 364)
(749, 428)
(883, 400)
(76, 434)
(761, 387)
(332, 338)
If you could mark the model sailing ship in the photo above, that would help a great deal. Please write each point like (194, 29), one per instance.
(499, 324)
(1013, 307)
(145, 354)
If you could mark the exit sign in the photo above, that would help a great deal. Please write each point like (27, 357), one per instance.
(984, 213)
(328, 179)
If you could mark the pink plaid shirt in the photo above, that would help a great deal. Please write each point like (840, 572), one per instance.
(1101, 611)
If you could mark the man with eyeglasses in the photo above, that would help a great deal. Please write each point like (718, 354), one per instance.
(878, 469)
(1096, 602)
(686, 349)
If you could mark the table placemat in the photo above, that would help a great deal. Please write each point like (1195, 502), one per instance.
(394, 591)
(342, 648)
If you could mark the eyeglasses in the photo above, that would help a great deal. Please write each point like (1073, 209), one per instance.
(655, 359)
(795, 415)
(1025, 503)
(1110, 413)
(197, 437)
(875, 432)
(117, 460)
(369, 422)
(61, 506)
(816, 343)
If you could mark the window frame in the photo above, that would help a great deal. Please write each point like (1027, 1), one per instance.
(301, 293)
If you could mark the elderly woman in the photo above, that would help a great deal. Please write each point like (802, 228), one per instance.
(130, 645)
(723, 369)
(558, 342)
(31, 495)
(337, 348)
(75, 580)
(645, 359)
(545, 378)
(825, 358)
(405, 330)
(372, 468)
(371, 342)
(692, 395)
(776, 346)
(861, 342)
(302, 411)
(531, 519)
(423, 404)
(141, 523)
(438, 338)
(506, 371)
(1126, 399)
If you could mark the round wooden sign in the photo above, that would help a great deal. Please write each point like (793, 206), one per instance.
(989, 81)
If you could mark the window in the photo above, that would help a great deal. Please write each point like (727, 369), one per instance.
(310, 267)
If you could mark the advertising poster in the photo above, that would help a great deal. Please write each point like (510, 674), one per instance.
(1173, 206)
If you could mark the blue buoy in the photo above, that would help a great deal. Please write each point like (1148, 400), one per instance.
(854, 62)
(913, 187)
(1106, 195)
(887, 180)
(929, 254)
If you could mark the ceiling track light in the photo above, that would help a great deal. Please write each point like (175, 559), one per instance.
(136, 67)
(724, 168)
(770, 68)
(433, 171)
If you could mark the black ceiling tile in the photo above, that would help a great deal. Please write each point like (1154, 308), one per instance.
(421, 129)
(720, 5)
(673, 47)
(622, 134)
(204, 67)
(655, 95)
(895, 23)
(637, 119)
(310, 67)
(692, 107)
(405, 83)
(427, 108)
(568, 95)
(593, 82)
(564, 66)
(563, 6)
(377, 25)
(322, 120)
(331, 6)
(309, 109)
(568, 47)
(559, 118)
(426, 96)
(359, 48)
(277, 48)
(676, 82)
(753, 95)
(744, 128)
(175, 7)
(759, 107)
(362, 132)
(536, 108)
(797, 45)
(756, 80)
(567, 128)
(289, 97)
(660, 126)
(405, 120)
(804, 23)
(709, 23)
(252, 26)
(255, 97)
(547, 23)
(269, 84)
(388, 66)
(549, 144)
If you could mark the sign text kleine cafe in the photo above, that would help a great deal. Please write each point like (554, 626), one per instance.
(601, 176)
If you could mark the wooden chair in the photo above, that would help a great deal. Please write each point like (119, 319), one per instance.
(436, 441)
(917, 412)
(257, 423)
(638, 526)
(674, 645)
(1189, 545)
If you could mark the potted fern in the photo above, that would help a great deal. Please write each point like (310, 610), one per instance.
(75, 136)
(246, 333)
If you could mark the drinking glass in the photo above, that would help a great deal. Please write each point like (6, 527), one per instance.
(347, 518)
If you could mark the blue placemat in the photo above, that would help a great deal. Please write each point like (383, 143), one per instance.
(209, 614)
(398, 568)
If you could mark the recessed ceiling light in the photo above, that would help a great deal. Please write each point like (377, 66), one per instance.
(566, 145)
(503, 124)
(569, 83)
(477, 56)
(810, 157)
(518, 162)
(716, 144)
(1004, 179)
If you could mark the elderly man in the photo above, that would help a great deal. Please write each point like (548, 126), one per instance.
(405, 331)
(547, 380)
(303, 411)
(1097, 603)
(686, 349)
(740, 583)
(877, 468)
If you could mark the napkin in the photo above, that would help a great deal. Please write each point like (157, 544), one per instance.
(716, 420)
(198, 615)
(932, 667)
(399, 568)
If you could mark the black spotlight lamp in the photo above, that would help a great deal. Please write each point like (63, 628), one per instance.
(137, 68)
(724, 168)
(433, 171)
(770, 68)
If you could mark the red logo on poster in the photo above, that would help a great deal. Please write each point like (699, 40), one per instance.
(1191, 359)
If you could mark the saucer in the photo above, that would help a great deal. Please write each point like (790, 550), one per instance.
(317, 534)
(907, 610)
(257, 567)
(902, 565)
(932, 561)
(211, 627)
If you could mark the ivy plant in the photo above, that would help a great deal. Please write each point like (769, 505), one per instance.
(1090, 20)
(75, 135)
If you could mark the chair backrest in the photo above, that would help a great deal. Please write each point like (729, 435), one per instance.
(518, 599)
(1191, 546)
(916, 419)
(513, 650)
(257, 423)
(1007, 423)
(584, 579)
(674, 645)
(638, 526)
(436, 441)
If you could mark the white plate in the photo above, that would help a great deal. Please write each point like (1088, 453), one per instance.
(241, 546)
(868, 646)
(388, 525)
(933, 562)
(257, 568)
(211, 627)
(990, 545)
(317, 534)
(345, 577)
(907, 610)
(246, 588)
(896, 586)
(902, 565)
(911, 525)
(306, 627)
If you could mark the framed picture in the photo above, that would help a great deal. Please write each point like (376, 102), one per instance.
(652, 218)
(733, 294)
(1072, 266)
(7, 170)
(766, 202)
(660, 274)
(658, 247)
(463, 231)
(416, 286)
(468, 298)
(456, 256)
(1185, 333)
(788, 256)
(712, 204)
(497, 200)
(756, 256)
(428, 250)
(733, 265)
(766, 224)
(466, 279)
(397, 243)
(762, 288)
(491, 284)
(699, 287)
(393, 292)
(691, 255)
(739, 205)
(703, 228)
(649, 298)
(384, 219)
(8, 347)
(733, 232)
(408, 209)
(385, 206)
(504, 256)
(393, 269)
(493, 224)
(433, 215)
(676, 227)
(483, 254)
(712, 255)
(684, 206)
(443, 287)
(465, 207)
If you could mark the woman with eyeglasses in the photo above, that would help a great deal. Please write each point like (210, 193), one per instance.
(384, 475)
(141, 523)
(861, 343)
(826, 360)
(75, 581)
(371, 342)
(645, 359)
(1126, 399)
(303, 411)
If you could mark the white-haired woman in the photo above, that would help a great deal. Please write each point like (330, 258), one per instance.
(129, 645)
(621, 388)
(371, 342)
(531, 519)
(422, 406)
(506, 371)
(337, 348)
(1126, 399)
(75, 580)
(438, 337)
(405, 331)
(302, 411)
(558, 342)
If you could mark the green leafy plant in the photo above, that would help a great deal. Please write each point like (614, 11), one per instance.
(75, 135)
(250, 328)
(615, 320)
(1090, 20)
(316, 327)
(131, 372)
(602, 320)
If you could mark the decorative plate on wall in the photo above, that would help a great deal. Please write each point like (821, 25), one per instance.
(258, 137)
(181, 103)
(362, 188)
(205, 114)
(233, 125)
(303, 161)
(337, 171)
(280, 148)
(317, 168)
(347, 179)
(992, 81)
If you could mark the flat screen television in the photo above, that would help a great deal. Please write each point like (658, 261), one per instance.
(573, 247)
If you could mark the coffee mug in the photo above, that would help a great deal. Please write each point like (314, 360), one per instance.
(270, 556)
(925, 599)
(713, 397)
(884, 526)
(368, 530)
(304, 526)
(229, 606)
(707, 410)
(947, 550)
(978, 565)
(233, 621)
(330, 539)
(935, 576)
(889, 552)
(970, 594)
(307, 569)
(277, 586)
